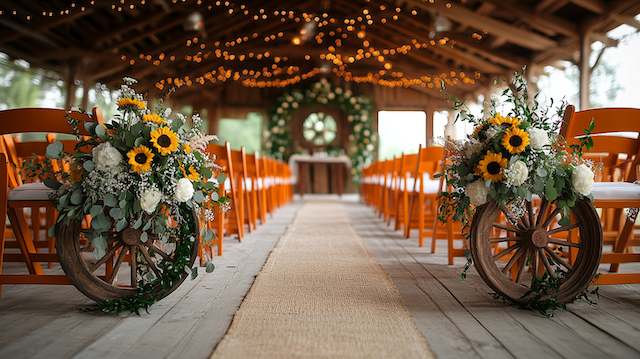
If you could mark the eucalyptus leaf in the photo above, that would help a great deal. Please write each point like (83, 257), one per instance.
(198, 196)
(90, 127)
(52, 183)
(137, 223)
(54, 150)
(144, 237)
(100, 223)
(101, 131)
(99, 246)
(115, 213)
(147, 225)
(215, 196)
(76, 197)
(194, 273)
(110, 200)
(95, 210)
(121, 224)
(88, 166)
(210, 267)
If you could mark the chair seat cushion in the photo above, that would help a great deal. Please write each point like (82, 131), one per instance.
(616, 191)
(31, 192)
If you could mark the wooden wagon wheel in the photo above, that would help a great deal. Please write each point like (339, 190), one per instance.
(99, 279)
(509, 253)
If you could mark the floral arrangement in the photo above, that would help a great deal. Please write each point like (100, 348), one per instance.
(357, 110)
(145, 169)
(511, 157)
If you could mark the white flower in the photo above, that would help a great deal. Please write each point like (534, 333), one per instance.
(285, 104)
(366, 132)
(149, 200)
(294, 104)
(477, 192)
(281, 122)
(184, 190)
(370, 147)
(472, 148)
(539, 138)
(279, 110)
(353, 100)
(331, 95)
(338, 90)
(106, 157)
(492, 131)
(289, 98)
(582, 179)
(517, 173)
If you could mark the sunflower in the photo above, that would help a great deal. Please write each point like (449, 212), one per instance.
(140, 159)
(491, 166)
(187, 148)
(164, 140)
(128, 102)
(515, 140)
(505, 122)
(153, 118)
(193, 176)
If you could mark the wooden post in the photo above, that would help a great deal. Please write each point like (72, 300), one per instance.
(70, 96)
(585, 68)
(84, 104)
(213, 118)
(429, 112)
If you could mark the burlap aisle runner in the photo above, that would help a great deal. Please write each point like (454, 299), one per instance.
(321, 295)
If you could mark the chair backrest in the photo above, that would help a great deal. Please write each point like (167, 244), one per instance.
(30, 120)
(431, 160)
(615, 138)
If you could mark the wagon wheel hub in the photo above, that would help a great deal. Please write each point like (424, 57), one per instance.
(539, 238)
(131, 237)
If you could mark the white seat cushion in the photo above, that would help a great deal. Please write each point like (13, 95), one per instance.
(616, 191)
(31, 192)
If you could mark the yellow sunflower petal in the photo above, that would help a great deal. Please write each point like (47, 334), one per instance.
(164, 140)
(153, 118)
(515, 140)
(140, 159)
(506, 122)
(128, 102)
(491, 167)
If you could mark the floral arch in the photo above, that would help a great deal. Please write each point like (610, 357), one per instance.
(357, 110)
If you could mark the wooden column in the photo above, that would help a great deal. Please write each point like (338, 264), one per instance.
(213, 118)
(585, 68)
(429, 112)
(85, 95)
(70, 95)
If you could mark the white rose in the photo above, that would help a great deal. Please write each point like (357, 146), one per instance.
(184, 190)
(370, 147)
(582, 179)
(149, 200)
(477, 192)
(281, 123)
(353, 100)
(106, 157)
(285, 104)
(538, 138)
(517, 173)
(279, 110)
(338, 90)
(294, 104)
(331, 95)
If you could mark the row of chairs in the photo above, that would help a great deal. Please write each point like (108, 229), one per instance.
(404, 192)
(256, 186)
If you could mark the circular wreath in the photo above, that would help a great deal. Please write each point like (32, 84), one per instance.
(357, 109)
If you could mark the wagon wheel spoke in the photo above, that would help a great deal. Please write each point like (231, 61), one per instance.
(503, 239)
(557, 259)
(534, 265)
(542, 211)
(560, 242)
(549, 219)
(116, 267)
(513, 259)
(157, 250)
(523, 262)
(104, 258)
(150, 262)
(563, 228)
(134, 266)
(547, 265)
(505, 251)
(506, 227)
(530, 213)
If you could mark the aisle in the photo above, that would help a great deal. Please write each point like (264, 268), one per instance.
(321, 295)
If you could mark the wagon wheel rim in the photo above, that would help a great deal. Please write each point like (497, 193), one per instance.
(89, 274)
(127, 247)
(515, 254)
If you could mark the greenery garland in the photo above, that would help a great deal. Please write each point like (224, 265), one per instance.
(357, 109)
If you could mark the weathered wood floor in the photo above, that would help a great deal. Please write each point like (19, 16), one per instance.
(460, 319)
(46, 321)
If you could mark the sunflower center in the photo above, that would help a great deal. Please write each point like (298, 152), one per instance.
(493, 168)
(141, 158)
(164, 141)
(515, 141)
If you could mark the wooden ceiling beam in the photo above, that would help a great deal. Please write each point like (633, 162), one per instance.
(597, 6)
(45, 26)
(515, 35)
